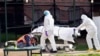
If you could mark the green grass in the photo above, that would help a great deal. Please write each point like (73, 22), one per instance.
(70, 55)
(89, 55)
(10, 36)
(81, 47)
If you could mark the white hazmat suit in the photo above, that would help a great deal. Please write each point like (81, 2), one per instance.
(48, 32)
(91, 29)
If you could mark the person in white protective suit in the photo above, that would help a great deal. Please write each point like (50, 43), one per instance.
(91, 29)
(48, 32)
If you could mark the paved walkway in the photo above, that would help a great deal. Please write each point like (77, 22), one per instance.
(59, 53)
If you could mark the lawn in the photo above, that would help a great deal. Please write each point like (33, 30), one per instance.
(68, 55)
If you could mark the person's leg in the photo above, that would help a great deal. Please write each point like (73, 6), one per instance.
(20, 45)
(42, 41)
(89, 42)
(52, 42)
(27, 39)
(96, 42)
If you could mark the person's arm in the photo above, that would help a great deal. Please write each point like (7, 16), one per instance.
(46, 25)
(21, 39)
(51, 22)
(81, 25)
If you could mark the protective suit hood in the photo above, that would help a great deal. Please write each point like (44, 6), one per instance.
(46, 12)
(84, 17)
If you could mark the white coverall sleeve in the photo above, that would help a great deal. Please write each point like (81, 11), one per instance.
(51, 22)
(46, 23)
(81, 25)
(84, 23)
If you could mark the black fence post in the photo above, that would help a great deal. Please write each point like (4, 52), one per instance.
(32, 15)
(6, 31)
(74, 10)
(0, 31)
(92, 1)
(54, 5)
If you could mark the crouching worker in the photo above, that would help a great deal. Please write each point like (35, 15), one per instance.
(26, 40)
(91, 29)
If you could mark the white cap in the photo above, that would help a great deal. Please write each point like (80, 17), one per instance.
(46, 12)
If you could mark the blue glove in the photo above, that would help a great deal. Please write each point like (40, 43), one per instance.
(46, 33)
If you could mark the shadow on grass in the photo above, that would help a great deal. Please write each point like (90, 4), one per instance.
(81, 47)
